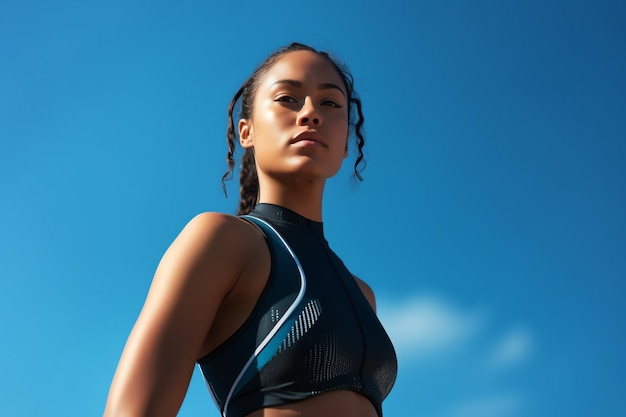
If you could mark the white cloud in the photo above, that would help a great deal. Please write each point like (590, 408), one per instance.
(513, 348)
(425, 325)
(496, 406)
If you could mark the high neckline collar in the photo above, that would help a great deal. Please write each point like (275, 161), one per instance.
(283, 216)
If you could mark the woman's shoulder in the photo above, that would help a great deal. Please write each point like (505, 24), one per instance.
(211, 244)
(216, 228)
(208, 218)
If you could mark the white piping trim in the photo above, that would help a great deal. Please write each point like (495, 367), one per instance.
(280, 322)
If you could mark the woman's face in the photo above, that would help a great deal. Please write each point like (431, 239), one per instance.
(299, 122)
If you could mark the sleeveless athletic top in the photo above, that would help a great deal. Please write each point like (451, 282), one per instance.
(311, 331)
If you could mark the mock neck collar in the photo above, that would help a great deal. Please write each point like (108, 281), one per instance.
(284, 217)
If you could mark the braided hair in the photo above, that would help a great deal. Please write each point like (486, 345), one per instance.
(248, 179)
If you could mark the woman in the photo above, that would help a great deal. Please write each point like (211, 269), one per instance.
(276, 322)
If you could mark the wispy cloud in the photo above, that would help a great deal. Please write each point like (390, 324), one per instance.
(495, 406)
(425, 325)
(513, 348)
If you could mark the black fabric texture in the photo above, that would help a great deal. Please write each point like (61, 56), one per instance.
(330, 340)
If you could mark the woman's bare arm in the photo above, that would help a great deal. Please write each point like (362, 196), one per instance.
(193, 277)
(367, 291)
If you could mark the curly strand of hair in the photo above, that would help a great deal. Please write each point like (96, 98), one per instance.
(359, 164)
(249, 183)
(230, 139)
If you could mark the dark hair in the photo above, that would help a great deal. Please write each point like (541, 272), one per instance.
(248, 179)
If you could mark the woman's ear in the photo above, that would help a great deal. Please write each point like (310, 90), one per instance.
(246, 138)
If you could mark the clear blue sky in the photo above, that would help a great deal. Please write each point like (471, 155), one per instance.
(491, 222)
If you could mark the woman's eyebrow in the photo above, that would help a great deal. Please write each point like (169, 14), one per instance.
(322, 86)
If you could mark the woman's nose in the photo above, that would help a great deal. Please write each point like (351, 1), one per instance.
(308, 114)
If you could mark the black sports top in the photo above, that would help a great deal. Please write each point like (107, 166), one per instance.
(311, 331)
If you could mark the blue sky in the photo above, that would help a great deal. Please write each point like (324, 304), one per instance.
(490, 223)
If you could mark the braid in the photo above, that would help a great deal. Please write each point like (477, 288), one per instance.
(248, 183)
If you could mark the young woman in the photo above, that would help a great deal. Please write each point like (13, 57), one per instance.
(277, 324)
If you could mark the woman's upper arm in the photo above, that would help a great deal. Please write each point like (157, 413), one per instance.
(367, 291)
(194, 275)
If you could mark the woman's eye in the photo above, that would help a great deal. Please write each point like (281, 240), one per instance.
(286, 99)
(331, 103)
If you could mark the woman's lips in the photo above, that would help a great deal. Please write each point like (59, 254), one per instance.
(309, 138)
